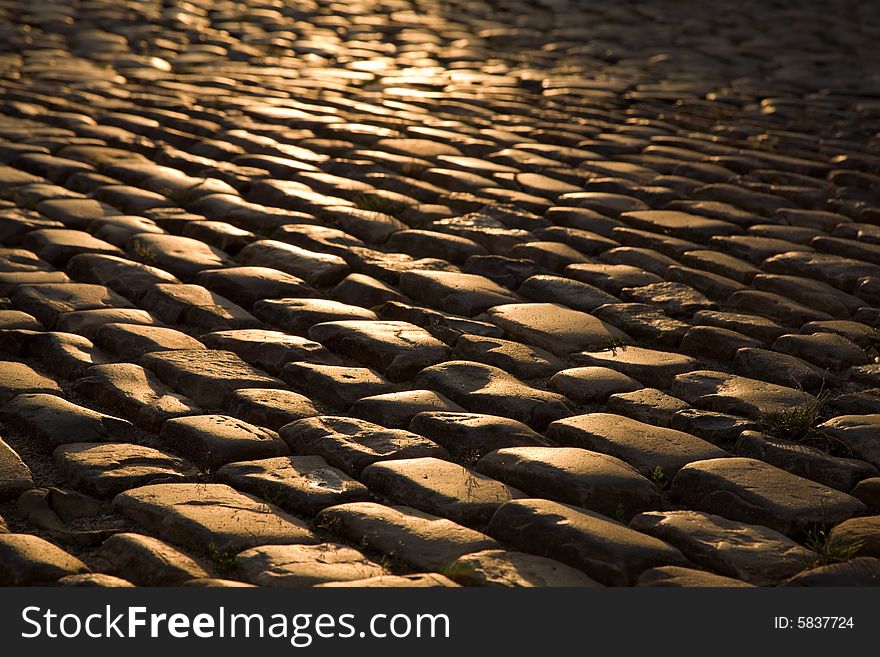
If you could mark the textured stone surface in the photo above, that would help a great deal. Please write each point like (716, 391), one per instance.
(515, 569)
(147, 561)
(676, 576)
(440, 487)
(751, 553)
(104, 470)
(351, 445)
(29, 560)
(397, 349)
(643, 446)
(214, 440)
(586, 479)
(134, 393)
(752, 491)
(304, 565)
(207, 376)
(15, 475)
(55, 421)
(204, 515)
(604, 549)
(471, 435)
(303, 485)
(479, 387)
(415, 538)
(555, 328)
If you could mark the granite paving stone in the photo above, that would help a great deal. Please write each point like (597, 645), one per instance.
(604, 549)
(440, 487)
(303, 485)
(207, 376)
(643, 446)
(750, 553)
(214, 440)
(199, 516)
(105, 469)
(351, 444)
(304, 565)
(755, 492)
(415, 538)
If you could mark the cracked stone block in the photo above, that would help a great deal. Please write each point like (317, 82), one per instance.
(303, 485)
(211, 516)
(607, 551)
(755, 492)
(470, 435)
(269, 350)
(106, 469)
(440, 487)
(316, 269)
(146, 561)
(643, 446)
(397, 349)
(416, 539)
(206, 376)
(750, 553)
(304, 565)
(215, 440)
(135, 394)
(480, 387)
(515, 569)
(351, 444)
(591, 480)
(55, 421)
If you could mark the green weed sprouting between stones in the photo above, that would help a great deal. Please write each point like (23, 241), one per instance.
(223, 561)
(797, 423)
(659, 479)
(613, 344)
(827, 550)
(375, 203)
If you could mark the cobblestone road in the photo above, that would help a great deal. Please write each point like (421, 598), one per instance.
(437, 293)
